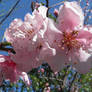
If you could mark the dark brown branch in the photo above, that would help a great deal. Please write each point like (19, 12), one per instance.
(9, 12)
(56, 4)
(47, 5)
(2, 44)
(33, 6)
(8, 50)
(0, 1)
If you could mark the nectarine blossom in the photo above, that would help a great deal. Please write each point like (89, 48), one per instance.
(73, 42)
(9, 71)
(27, 38)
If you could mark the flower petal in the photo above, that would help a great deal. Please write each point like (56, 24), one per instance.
(25, 78)
(70, 16)
(52, 32)
(84, 56)
(58, 62)
(8, 69)
(46, 52)
(85, 35)
(42, 10)
(83, 67)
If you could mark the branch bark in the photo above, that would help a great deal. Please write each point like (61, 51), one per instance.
(47, 5)
(56, 4)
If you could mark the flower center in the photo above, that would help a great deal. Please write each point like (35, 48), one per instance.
(69, 42)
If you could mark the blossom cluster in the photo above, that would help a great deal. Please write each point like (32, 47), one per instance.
(39, 38)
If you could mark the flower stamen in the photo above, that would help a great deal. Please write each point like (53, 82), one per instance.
(69, 41)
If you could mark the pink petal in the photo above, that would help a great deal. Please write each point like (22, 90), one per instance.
(25, 39)
(42, 11)
(56, 12)
(16, 23)
(82, 61)
(8, 69)
(25, 78)
(70, 16)
(28, 18)
(46, 52)
(58, 62)
(13, 26)
(52, 32)
(37, 18)
(85, 36)
(84, 56)
(27, 62)
(83, 67)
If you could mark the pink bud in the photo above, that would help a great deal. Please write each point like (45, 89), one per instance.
(56, 12)
(42, 70)
(47, 84)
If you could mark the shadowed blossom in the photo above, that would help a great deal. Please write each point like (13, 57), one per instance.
(9, 71)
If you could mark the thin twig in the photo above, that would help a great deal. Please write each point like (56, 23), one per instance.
(9, 12)
(8, 50)
(47, 5)
(60, 80)
(64, 77)
(3, 44)
(0, 1)
(76, 88)
(56, 4)
(72, 82)
(33, 6)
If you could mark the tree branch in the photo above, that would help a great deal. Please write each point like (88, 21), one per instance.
(8, 50)
(74, 77)
(56, 4)
(2, 44)
(47, 5)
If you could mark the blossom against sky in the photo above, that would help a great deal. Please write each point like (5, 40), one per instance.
(24, 7)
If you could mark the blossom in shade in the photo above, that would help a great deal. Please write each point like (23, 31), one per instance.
(9, 71)
(28, 41)
(72, 40)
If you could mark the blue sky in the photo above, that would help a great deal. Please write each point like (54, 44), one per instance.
(24, 7)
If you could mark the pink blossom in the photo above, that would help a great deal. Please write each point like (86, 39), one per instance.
(42, 70)
(28, 41)
(9, 71)
(48, 89)
(47, 84)
(72, 40)
(56, 12)
(25, 78)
